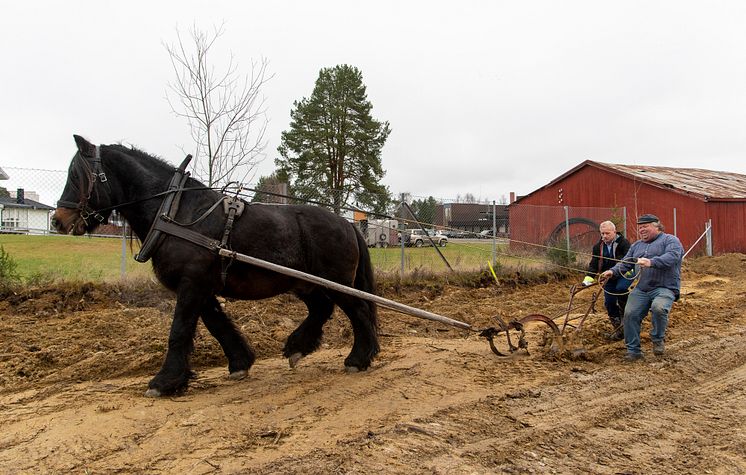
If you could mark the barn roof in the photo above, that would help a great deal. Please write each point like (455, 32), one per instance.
(708, 185)
(711, 185)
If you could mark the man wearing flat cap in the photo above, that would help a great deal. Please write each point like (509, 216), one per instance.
(658, 256)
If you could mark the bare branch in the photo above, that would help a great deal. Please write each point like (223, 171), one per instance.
(225, 110)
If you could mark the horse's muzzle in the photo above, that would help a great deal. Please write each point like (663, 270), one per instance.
(67, 221)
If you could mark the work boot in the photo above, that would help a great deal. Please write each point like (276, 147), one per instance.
(616, 335)
(632, 357)
(659, 348)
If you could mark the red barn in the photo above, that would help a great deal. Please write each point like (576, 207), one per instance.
(685, 200)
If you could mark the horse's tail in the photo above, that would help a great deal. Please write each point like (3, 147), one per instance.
(364, 278)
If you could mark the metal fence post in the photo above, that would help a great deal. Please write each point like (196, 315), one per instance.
(567, 230)
(402, 228)
(624, 221)
(494, 234)
(123, 267)
(674, 223)
(709, 238)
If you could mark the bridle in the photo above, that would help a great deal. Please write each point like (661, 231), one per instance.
(94, 174)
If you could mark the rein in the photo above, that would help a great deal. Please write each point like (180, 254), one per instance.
(164, 221)
(97, 174)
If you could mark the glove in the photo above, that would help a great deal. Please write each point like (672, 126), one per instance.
(629, 274)
(588, 280)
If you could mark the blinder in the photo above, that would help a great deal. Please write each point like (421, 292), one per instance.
(93, 173)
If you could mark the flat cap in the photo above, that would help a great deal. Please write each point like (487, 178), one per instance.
(647, 218)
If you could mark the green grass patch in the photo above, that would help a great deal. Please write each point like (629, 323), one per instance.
(50, 258)
(471, 256)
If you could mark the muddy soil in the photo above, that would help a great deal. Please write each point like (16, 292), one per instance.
(75, 362)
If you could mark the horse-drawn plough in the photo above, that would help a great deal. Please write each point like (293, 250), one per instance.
(562, 335)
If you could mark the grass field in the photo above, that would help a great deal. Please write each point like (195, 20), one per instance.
(464, 256)
(70, 258)
(44, 258)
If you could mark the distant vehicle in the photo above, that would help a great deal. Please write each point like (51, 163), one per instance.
(450, 233)
(417, 238)
(380, 232)
(486, 234)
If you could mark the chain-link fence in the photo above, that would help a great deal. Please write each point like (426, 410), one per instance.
(409, 234)
(563, 235)
(27, 198)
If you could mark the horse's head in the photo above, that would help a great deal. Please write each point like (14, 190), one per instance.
(86, 192)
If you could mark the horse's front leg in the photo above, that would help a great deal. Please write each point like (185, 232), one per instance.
(174, 375)
(236, 348)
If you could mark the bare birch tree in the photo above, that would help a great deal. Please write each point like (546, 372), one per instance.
(224, 108)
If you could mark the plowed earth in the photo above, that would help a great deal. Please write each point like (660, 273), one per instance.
(75, 362)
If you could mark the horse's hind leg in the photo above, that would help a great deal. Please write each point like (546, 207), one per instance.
(307, 337)
(236, 348)
(362, 315)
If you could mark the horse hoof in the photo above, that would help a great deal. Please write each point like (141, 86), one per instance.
(294, 358)
(152, 392)
(352, 369)
(238, 375)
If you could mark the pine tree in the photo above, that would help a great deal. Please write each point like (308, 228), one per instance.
(332, 151)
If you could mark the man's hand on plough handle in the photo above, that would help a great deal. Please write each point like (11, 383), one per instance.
(641, 261)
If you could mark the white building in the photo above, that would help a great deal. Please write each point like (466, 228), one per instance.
(21, 212)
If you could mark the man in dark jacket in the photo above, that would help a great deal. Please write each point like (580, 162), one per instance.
(606, 253)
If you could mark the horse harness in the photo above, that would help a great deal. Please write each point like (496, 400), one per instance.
(164, 222)
(96, 174)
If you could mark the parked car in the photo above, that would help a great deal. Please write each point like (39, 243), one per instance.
(486, 234)
(449, 233)
(417, 238)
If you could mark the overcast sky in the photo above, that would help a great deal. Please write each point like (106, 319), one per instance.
(483, 97)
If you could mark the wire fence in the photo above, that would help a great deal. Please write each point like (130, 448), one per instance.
(414, 234)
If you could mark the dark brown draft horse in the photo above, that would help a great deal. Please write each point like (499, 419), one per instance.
(307, 238)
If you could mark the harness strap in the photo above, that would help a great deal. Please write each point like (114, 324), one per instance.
(234, 207)
(187, 234)
(153, 239)
(96, 174)
(203, 215)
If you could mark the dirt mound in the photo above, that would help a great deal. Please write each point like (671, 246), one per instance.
(77, 296)
(727, 265)
(75, 360)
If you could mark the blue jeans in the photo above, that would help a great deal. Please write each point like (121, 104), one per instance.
(657, 301)
(613, 301)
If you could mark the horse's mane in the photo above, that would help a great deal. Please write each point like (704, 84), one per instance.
(140, 155)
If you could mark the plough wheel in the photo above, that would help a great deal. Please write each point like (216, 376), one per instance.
(514, 324)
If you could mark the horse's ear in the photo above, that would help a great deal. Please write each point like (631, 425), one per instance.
(85, 148)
